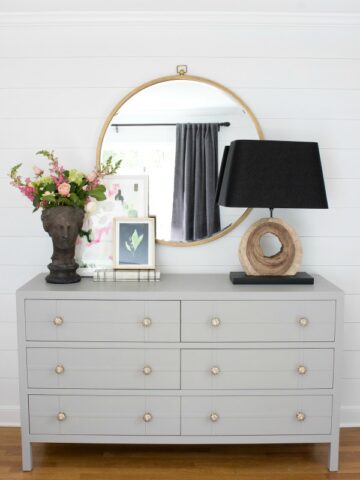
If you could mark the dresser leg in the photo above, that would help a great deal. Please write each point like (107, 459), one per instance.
(334, 456)
(26, 455)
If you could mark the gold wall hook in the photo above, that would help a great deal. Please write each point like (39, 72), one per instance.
(181, 69)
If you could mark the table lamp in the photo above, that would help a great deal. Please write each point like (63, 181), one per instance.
(271, 174)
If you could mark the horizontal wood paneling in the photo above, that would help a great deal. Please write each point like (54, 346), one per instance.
(58, 83)
(317, 251)
(96, 102)
(127, 71)
(338, 163)
(342, 193)
(8, 338)
(247, 41)
(8, 364)
(84, 132)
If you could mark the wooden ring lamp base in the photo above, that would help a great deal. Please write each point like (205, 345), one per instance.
(286, 262)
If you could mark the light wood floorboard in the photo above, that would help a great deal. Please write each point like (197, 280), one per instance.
(226, 462)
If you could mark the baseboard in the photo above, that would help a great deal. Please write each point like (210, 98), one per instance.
(350, 416)
(9, 416)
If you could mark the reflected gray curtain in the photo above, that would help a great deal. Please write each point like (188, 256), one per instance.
(195, 213)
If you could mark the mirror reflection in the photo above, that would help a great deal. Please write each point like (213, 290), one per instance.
(175, 133)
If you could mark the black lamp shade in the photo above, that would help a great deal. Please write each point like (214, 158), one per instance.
(271, 174)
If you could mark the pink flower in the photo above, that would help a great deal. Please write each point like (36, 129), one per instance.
(28, 191)
(38, 171)
(91, 177)
(64, 189)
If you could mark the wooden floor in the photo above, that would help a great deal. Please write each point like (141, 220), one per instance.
(240, 462)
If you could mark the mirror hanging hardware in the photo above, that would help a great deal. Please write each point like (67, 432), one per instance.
(181, 69)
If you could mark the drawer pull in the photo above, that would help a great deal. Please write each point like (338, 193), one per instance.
(214, 417)
(215, 370)
(301, 370)
(303, 322)
(215, 322)
(61, 416)
(59, 369)
(147, 370)
(300, 416)
(147, 322)
(58, 321)
(147, 417)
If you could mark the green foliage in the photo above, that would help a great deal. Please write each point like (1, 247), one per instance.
(134, 242)
(108, 168)
(47, 154)
(98, 193)
(62, 187)
(86, 233)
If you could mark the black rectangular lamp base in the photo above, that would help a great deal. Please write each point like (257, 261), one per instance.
(300, 278)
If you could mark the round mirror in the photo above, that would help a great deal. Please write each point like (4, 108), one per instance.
(171, 133)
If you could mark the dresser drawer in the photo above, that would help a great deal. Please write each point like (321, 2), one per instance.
(101, 320)
(260, 415)
(104, 415)
(257, 369)
(103, 368)
(260, 321)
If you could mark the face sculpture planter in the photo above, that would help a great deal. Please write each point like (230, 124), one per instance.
(64, 196)
(63, 224)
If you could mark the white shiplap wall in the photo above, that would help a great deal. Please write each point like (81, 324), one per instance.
(62, 74)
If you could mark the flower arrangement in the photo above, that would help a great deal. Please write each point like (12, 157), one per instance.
(63, 187)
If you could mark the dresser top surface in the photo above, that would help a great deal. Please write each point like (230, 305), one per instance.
(177, 287)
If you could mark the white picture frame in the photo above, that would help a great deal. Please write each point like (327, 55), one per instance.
(132, 192)
(134, 243)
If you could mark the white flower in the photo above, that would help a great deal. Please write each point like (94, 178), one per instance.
(47, 193)
(91, 207)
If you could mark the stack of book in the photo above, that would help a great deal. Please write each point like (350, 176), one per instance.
(111, 275)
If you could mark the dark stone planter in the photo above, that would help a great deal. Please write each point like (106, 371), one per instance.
(63, 224)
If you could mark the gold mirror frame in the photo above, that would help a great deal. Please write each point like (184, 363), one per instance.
(183, 77)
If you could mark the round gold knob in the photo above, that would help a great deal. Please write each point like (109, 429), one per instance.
(215, 370)
(301, 370)
(61, 416)
(59, 369)
(147, 417)
(214, 417)
(300, 416)
(147, 370)
(58, 321)
(215, 322)
(147, 322)
(303, 322)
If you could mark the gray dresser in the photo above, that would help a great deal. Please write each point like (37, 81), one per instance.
(190, 359)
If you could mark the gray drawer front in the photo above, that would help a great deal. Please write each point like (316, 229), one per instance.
(104, 415)
(256, 368)
(100, 320)
(260, 415)
(258, 321)
(103, 368)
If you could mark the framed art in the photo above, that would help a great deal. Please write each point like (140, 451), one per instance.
(126, 196)
(134, 243)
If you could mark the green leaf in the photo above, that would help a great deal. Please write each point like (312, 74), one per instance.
(136, 239)
(14, 170)
(127, 247)
(98, 193)
(86, 233)
(49, 198)
(74, 198)
(46, 153)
